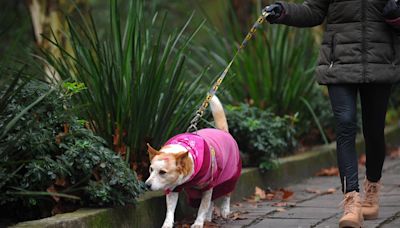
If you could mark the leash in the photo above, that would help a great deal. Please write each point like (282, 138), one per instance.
(214, 88)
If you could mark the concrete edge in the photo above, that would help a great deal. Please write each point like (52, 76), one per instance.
(150, 208)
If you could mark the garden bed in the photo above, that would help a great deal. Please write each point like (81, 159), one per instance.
(150, 209)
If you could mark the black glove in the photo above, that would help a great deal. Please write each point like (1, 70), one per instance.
(274, 11)
(392, 10)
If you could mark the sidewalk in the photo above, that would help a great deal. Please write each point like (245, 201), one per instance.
(310, 209)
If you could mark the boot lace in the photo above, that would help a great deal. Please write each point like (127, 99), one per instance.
(371, 192)
(349, 203)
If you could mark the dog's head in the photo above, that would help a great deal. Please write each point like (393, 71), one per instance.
(168, 167)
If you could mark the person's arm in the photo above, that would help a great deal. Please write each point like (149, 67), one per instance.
(391, 13)
(308, 14)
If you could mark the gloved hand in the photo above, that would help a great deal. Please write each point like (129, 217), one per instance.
(392, 9)
(275, 11)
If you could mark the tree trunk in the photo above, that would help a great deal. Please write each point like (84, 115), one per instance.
(49, 26)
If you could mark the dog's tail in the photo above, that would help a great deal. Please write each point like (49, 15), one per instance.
(218, 114)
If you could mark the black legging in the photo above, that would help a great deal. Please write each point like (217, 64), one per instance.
(374, 100)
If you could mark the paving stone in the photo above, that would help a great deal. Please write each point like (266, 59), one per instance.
(390, 200)
(393, 224)
(305, 213)
(322, 211)
(324, 201)
(275, 223)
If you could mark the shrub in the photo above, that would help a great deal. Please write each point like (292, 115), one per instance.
(50, 163)
(138, 85)
(261, 135)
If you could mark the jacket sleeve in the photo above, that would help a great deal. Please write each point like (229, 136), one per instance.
(307, 14)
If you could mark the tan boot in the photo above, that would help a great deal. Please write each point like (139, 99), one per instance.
(370, 203)
(352, 216)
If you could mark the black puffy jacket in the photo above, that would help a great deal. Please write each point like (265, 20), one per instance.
(357, 47)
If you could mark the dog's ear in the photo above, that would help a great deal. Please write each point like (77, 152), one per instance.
(152, 152)
(183, 162)
(181, 156)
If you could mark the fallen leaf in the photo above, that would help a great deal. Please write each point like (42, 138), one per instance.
(60, 182)
(362, 159)
(281, 209)
(66, 128)
(330, 191)
(270, 196)
(333, 171)
(260, 193)
(394, 153)
(211, 225)
(51, 189)
(283, 204)
(286, 194)
(280, 204)
(237, 215)
(311, 190)
(59, 137)
(278, 195)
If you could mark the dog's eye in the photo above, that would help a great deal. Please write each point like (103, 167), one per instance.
(162, 172)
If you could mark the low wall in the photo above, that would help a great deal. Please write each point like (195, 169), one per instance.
(150, 209)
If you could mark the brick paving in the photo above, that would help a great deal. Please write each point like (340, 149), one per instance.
(309, 209)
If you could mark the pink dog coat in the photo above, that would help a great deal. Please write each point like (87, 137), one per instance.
(217, 163)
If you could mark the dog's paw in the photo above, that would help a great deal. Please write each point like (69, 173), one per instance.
(225, 213)
(197, 225)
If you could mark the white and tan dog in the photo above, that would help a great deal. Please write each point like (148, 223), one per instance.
(206, 164)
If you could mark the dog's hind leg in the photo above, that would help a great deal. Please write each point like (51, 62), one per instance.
(210, 212)
(226, 206)
(203, 209)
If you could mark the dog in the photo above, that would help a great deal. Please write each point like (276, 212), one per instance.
(206, 164)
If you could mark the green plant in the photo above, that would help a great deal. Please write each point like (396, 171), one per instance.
(318, 125)
(50, 163)
(261, 135)
(137, 84)
(274, 70)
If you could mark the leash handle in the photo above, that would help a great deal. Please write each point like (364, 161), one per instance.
(200, 112)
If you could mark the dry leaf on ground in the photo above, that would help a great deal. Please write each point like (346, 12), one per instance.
(330, 191)
(281, 209)
(362, 159)
(312, 190)
(280, 194)
(237, 215)
(211, 225)
(332, 171)
(319, 192)
(260, 193)
(286, 194)
(394, 153)
(283, 204)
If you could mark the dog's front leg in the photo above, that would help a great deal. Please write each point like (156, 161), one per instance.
(172, 200)
(204, 207)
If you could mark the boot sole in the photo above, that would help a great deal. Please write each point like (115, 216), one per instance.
(349, 224)
(370, 217)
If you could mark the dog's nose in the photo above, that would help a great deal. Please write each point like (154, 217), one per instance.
(148, 185)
